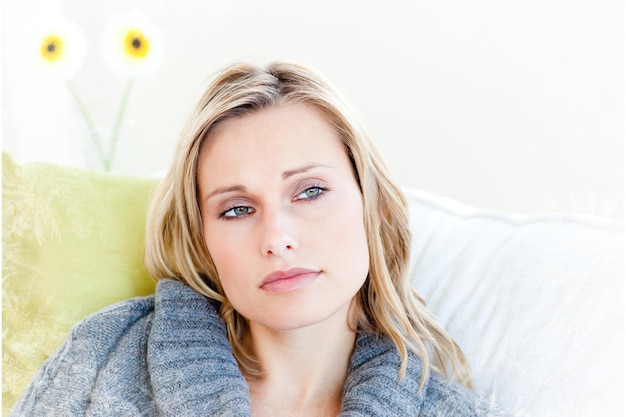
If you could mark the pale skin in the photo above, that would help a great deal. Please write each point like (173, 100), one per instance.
(283, 221)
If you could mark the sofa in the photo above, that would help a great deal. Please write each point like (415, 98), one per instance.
(535, 302)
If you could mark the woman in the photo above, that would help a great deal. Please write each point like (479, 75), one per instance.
(281, 246)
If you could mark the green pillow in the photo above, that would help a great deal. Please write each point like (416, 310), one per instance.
(72, 243)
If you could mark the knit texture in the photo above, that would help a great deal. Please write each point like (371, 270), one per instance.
(169, 355)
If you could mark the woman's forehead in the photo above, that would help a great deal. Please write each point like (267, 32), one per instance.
(282, 128)
(271, 141)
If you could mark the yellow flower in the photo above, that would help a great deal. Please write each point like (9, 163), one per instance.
(52, 48)
(136, 44)
(132, 46)
(59, 46)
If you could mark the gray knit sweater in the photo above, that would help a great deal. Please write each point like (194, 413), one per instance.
(169, 355)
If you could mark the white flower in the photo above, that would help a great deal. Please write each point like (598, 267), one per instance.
(59, 46)
(132, 46)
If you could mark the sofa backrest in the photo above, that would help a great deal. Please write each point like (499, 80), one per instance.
(536, 302)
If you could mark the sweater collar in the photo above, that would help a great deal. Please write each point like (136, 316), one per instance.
(194, 372)
(190, 361)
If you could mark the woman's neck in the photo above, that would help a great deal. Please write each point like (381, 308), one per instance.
(304, 369)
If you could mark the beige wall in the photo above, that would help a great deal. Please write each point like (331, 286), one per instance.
(504, 105)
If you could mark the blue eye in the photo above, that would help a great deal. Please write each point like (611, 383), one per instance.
(309, 193)
(237, 212)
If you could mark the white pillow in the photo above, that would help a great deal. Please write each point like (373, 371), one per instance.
(536, 303)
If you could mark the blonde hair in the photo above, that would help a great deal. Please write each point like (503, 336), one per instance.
(386, 304)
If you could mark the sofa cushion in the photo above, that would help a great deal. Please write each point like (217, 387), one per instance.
(535, 302)
(72, 243)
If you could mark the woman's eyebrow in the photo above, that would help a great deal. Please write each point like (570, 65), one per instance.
(222, 190)
(285, 175)
(305, 168)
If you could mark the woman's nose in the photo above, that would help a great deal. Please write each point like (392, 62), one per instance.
(277, 234)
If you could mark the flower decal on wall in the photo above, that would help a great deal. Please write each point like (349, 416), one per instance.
(61, 48)
(132, 47)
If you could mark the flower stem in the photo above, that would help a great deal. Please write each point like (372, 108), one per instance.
(118, 124)
(95, 137)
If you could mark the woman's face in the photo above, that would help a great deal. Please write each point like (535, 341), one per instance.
(283, 217)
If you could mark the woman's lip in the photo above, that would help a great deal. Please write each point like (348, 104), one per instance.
(277, 280)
